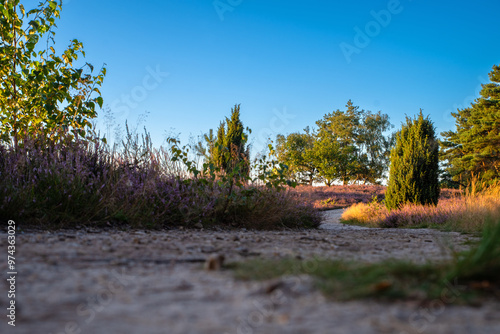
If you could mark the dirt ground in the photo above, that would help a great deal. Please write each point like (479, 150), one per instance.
(155, 282)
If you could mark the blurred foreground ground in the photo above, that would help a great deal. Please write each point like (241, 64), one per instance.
(154, 282)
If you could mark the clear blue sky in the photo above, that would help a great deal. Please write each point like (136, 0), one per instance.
(283, 57)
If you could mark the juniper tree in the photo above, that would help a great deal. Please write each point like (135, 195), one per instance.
(414, 170)
(228, 149)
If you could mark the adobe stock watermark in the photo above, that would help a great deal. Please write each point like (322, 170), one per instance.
(97, 303)
(223, 6)
(152, 80)
(448, 117)
(425, 316)
(373, 28)
(277, 124)
(277, 295)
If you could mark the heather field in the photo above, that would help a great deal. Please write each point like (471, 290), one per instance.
(335, 197)
(88, 184)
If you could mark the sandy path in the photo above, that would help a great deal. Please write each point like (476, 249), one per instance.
(153, 282)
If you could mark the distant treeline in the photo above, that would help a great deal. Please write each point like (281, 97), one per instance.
(354, 145)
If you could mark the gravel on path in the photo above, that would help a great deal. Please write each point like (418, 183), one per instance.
(154, 282)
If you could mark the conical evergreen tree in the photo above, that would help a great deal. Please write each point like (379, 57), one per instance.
(414, 170)
(230, 149)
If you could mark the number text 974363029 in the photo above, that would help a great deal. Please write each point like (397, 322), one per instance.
(11, 272)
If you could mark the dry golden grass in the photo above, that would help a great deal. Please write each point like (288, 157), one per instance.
(466, 213)
(474, 208)
(370, 214)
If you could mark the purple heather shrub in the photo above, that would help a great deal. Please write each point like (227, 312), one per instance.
(392, 220)
(79, 183)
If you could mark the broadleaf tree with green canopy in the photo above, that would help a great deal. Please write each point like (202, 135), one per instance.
(41, 92)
